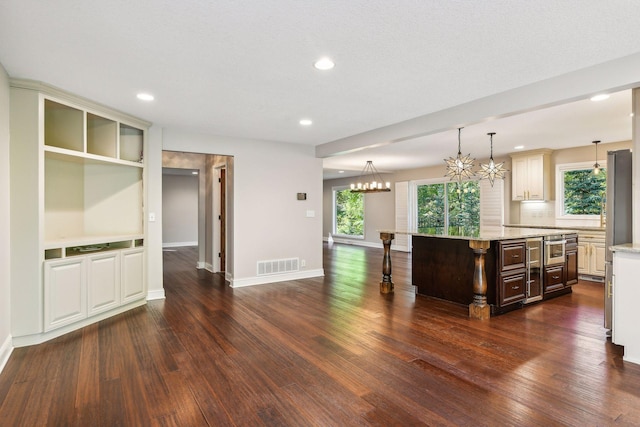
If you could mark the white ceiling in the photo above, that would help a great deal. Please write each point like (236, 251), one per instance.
(244, 69)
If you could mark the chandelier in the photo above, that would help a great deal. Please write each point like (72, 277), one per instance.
(596, 165)
(492, 170)
(460, 167)
(370, 181)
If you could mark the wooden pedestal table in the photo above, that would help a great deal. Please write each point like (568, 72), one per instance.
(386, 286)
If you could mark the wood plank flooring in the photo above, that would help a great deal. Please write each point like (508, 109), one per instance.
(329, 351)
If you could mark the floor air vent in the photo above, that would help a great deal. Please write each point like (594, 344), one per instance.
(278, 266)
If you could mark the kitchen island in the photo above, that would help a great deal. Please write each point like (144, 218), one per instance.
(488, 271)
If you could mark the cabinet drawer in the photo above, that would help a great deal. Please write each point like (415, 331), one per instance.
(512, 255)
(512, 288)
(554, 278)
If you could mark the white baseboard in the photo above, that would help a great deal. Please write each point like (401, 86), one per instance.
(179, 244)
(201, 265)
(156, 294)
(273, 278)
(5, 351)
(39, 338)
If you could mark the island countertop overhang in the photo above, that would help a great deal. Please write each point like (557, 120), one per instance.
(497, 233)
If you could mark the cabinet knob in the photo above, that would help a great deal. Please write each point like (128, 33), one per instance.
(555, 277)
(515, 287)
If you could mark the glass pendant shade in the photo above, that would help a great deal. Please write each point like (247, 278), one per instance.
(492, 170)
(596, 165)
(460, 167)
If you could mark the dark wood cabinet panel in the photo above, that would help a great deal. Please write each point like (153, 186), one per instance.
(553, 278)
(512, 255)
(513, 287)
(571, 268)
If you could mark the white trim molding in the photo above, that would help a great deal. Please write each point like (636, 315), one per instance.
(5, 351)
(156, 294)
(274, 278)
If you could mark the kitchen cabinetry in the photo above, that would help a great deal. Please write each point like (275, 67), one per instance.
(77, 212)
(530, 175)
(553, 278)
(626, 294)
(571, 266)
(591, 254)
(512, 280)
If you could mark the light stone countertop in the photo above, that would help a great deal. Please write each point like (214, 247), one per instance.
(495, 233)
(558, 227)
(627, 247)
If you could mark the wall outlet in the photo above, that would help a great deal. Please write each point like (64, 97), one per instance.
(303, 263)
(152, 217)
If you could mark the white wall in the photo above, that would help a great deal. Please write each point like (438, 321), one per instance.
(5, 308)
(153, 241)
(267, 222)
(179, 210)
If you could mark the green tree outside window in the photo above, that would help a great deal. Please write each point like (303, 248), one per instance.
(349, 213)
(584, 191)
(449, 208)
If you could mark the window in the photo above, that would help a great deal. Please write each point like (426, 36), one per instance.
(580, 192)
(447, 208)
(348, 218)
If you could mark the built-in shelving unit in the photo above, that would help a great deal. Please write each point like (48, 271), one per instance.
(77, 209)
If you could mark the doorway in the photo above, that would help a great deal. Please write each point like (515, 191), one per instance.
(212, 173)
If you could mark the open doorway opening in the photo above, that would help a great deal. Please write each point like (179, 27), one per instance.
(200, 183)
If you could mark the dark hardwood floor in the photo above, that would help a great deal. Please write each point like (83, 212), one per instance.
(331, 351)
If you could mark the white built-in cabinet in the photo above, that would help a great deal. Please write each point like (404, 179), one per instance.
(626, 293)
(591, 254)
(530, 175)
(77, 212)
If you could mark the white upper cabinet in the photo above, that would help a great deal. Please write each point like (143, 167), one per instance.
(530, 175)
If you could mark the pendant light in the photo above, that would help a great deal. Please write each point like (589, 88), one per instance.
(461, 166)
(596, 165)
(492, 170)
(370, 181)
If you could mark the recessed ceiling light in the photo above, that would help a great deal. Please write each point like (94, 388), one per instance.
(324, 64)
(305, 122)
(630, 114)
(340, 171)
(600, 97)
(194, 172)
(145, 97)
(518, 147)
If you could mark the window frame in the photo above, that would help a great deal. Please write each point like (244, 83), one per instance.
(560, 170)
(334, 224)
(413, 200)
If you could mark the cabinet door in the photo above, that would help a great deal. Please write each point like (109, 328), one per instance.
(571, 268)
(512, 255)
(133, 280)
(553, 278)
(103, 282)
(519, 177)
(535, 171)
(512, 288)
(598, 258)
(65, 298)
(583, 261)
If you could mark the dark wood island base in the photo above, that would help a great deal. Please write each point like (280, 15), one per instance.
(488, 276)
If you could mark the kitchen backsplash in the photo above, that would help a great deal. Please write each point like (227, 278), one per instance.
(538, 213)
(544, 213)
